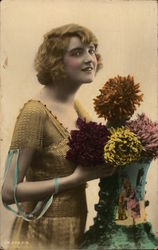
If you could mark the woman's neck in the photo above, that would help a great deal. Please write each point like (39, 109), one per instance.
(61, 92)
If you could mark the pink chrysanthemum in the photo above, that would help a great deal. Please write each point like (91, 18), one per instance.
(147, 132)
(87, 143)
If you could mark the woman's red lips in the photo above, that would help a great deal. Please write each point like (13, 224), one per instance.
(88, 68)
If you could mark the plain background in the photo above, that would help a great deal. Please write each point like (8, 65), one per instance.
(127, 34)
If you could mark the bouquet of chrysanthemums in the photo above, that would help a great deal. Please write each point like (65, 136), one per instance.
(123, 140)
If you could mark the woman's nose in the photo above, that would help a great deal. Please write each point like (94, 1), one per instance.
(87, 57)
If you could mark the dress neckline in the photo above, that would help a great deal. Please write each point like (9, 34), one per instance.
(51, 113)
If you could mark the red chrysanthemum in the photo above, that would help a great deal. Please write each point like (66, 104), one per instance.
(118, 99)
(87, 143)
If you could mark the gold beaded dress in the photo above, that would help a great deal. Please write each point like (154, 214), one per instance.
(62, 226)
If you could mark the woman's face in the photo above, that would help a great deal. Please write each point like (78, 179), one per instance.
(80, 61)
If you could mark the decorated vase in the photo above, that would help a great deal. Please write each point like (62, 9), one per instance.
(121, 220)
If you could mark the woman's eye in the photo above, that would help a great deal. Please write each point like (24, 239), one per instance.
(76, 53)
(79, 52)
(92, 51)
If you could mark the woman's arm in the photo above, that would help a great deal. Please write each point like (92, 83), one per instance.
(39, 190)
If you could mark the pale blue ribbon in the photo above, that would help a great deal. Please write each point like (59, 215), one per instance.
(21, 212)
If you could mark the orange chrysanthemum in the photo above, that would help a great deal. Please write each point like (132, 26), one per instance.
(118, 99)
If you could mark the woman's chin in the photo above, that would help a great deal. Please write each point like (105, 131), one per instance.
(88, 80)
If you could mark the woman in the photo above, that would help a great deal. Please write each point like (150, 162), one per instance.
(66, 59)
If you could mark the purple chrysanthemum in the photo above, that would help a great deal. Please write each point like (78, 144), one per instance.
(147, 132)
(87, 143)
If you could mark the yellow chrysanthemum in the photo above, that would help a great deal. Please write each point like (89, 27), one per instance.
(122, 148)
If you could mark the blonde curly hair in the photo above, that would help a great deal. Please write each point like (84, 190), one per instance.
(49, 58)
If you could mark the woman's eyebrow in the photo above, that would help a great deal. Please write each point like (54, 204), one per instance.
(92, 46)
(74, 49)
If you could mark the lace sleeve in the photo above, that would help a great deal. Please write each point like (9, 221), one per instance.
(82, 113)
(28, 133)
(29, 127)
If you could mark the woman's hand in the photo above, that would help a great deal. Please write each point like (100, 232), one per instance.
(83, 174)
(36, 212)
